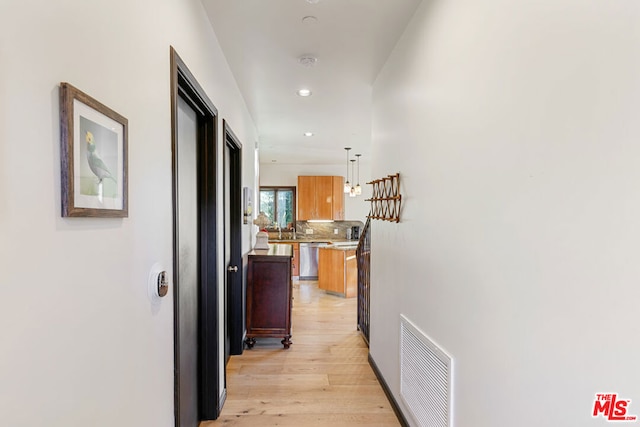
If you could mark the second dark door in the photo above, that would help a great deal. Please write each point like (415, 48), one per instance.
(234, 289)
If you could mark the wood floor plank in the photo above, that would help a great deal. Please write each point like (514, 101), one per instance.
(307, 368)
(355, 379)
(324, 379)
(303, 420)
(279, 379)
(310, 405)
(304, 392)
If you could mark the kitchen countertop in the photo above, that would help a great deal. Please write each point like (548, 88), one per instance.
(312, 240)
(341, 247)
(335, 244)
(274, 250)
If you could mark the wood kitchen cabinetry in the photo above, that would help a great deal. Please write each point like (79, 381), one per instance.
(338, 197)
(295, 261)
(338, 271)
(269, 294)
(320, 197)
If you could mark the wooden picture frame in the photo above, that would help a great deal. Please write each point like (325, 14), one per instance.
(93, 154)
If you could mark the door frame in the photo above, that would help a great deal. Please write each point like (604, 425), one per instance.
(185, 86)
(235, 289)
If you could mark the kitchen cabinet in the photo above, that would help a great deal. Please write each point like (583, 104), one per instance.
(320, 197)
(338, 271)
(295, 261)
(269, 297)
(338, 197)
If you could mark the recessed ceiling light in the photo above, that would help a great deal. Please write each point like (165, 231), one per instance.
(309, 20)
(313, 1)
(307, 60)
(308, 134)
(304, 92)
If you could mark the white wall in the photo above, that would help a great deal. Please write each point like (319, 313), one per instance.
(81, 343)
(355, 208)
(517, 247)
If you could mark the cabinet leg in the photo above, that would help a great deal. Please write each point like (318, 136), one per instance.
(286, 342)
(250, 342)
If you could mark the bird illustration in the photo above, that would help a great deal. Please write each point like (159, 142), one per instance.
(95, 162)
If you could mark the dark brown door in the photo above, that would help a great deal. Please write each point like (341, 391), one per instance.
(187, 263)
(234, 289)
(199, 390)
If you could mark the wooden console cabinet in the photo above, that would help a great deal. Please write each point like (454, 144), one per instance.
(269, 294)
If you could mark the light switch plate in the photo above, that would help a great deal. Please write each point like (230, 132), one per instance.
(308, 231)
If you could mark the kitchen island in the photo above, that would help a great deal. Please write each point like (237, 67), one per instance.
(338, 270)
(301, 247)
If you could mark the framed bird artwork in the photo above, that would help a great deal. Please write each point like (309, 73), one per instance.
(93, 151)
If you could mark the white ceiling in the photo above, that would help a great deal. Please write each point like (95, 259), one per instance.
(263, 39)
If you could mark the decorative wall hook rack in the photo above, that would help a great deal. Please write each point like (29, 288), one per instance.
(386, 199)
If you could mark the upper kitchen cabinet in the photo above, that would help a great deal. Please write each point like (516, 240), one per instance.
(320, 197)
(338, 197)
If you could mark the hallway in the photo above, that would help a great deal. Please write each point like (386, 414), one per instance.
(324, 379)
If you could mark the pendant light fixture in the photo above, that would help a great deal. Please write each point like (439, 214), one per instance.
(358, 189)
(352, 190)
(347, 184)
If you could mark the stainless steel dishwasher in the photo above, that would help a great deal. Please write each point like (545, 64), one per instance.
(309, 260)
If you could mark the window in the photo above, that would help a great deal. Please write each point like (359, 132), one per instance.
(279, 205)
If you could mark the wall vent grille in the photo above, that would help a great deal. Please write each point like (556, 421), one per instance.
(425, 377)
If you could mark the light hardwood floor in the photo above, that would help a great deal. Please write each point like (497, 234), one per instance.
(324, 379)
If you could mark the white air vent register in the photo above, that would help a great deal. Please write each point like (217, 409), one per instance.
(426, 373)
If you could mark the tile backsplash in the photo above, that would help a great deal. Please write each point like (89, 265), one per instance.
(321, 230)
